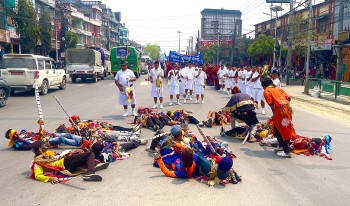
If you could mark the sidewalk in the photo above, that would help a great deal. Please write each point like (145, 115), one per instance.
(342, 104)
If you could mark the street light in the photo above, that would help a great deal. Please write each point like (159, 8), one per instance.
(179, 32)
(275, 9)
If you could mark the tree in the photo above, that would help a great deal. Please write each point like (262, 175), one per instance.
(299, 35)
(242, 48)
(210, 53)
(153, 50)
(27, 26)
(46, 33)
(70, 40)
(262, 47)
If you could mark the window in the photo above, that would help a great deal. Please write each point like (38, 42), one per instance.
(322, 24)
(41, 64)
(48, 64)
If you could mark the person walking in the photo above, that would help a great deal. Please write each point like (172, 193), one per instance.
(199, 84)
(124, 79)
(156, 78)
(173, 83)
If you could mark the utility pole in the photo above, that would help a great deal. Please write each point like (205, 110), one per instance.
(339, 53)
(306, 88)
(274, 44)
(233, 41)
(179, 32)
(289, 55)
(218, 54)
(198, 44)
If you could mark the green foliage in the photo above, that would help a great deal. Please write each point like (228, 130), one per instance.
(210, 53)
(242, 45)
(261, 46)
(153, 50)
(46, 33)
(299, 35)
(27, 25)
(70, 40)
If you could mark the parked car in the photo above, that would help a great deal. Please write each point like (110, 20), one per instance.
(5, 91)
(21, 71)
(145, 62)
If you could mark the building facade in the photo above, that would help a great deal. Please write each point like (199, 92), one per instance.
(322, 36)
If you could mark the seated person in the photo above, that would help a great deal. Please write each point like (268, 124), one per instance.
(241, 107)
(217, 118)
(184, 167)
(48, 168)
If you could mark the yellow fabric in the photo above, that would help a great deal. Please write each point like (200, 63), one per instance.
(239, 104)
(39, 170)
(11, 137)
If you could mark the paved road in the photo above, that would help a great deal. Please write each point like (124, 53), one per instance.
(267, 179)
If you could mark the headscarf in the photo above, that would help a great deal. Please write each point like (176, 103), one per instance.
(10, 137)
(176, 130)
(225, 164)
(327, 145)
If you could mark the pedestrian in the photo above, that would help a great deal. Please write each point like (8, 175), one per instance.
(183, 82)
(283, 128)
(173, 83)
(257, 89)
(199, 84)
(190, 80)
(275, 79)
(156, 78)
(124, 79)
(221, 76)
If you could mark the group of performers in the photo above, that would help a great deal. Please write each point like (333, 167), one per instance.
(179, 153)
(99, 143)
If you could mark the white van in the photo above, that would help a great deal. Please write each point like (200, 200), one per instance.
(22, 70)
(145, 62)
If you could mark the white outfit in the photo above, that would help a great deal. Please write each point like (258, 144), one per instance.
(229, 80)
(199, 82)
(154, 73)
(183, 80)
(190, 78)
(248, 84)
(123, 78)
(173, 82)
(258, 91)
(277, 82)
(221, 73)
(243, 86)
(234, 79)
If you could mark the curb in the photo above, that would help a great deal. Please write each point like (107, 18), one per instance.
(318, 104)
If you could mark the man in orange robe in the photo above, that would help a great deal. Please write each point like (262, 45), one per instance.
(283, 129)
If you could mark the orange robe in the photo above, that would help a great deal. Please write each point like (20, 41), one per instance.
(282, 115)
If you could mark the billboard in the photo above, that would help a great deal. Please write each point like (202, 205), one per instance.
(207, 43)
(176, 57)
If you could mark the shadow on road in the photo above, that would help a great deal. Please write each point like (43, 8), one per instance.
(114, 117)
(265, 154)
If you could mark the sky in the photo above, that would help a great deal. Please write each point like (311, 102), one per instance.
(157, 21)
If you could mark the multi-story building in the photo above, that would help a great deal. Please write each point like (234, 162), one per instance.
(123, 35)
(341, 34)
(9, 39)
(322, 34)
(220, 24)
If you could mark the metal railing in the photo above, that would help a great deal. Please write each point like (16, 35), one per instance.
(337, 88)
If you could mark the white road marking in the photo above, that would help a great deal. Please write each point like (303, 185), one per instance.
(79, 85)
(144, 83)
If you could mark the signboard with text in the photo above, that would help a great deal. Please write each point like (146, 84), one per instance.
(207, 43)
(277, 1)
(176, 57)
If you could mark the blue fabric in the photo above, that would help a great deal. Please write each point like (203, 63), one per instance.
(328, 143)
(66, 138)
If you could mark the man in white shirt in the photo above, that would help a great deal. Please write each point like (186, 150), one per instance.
(221, 74)
(173, 83)
(190, 78)
(199, 84)
(258, 91)
(156, 78)
(228, 84)
(183, 81)
(124, 79)
(243, 80)
(248, 82)
(276, 81)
